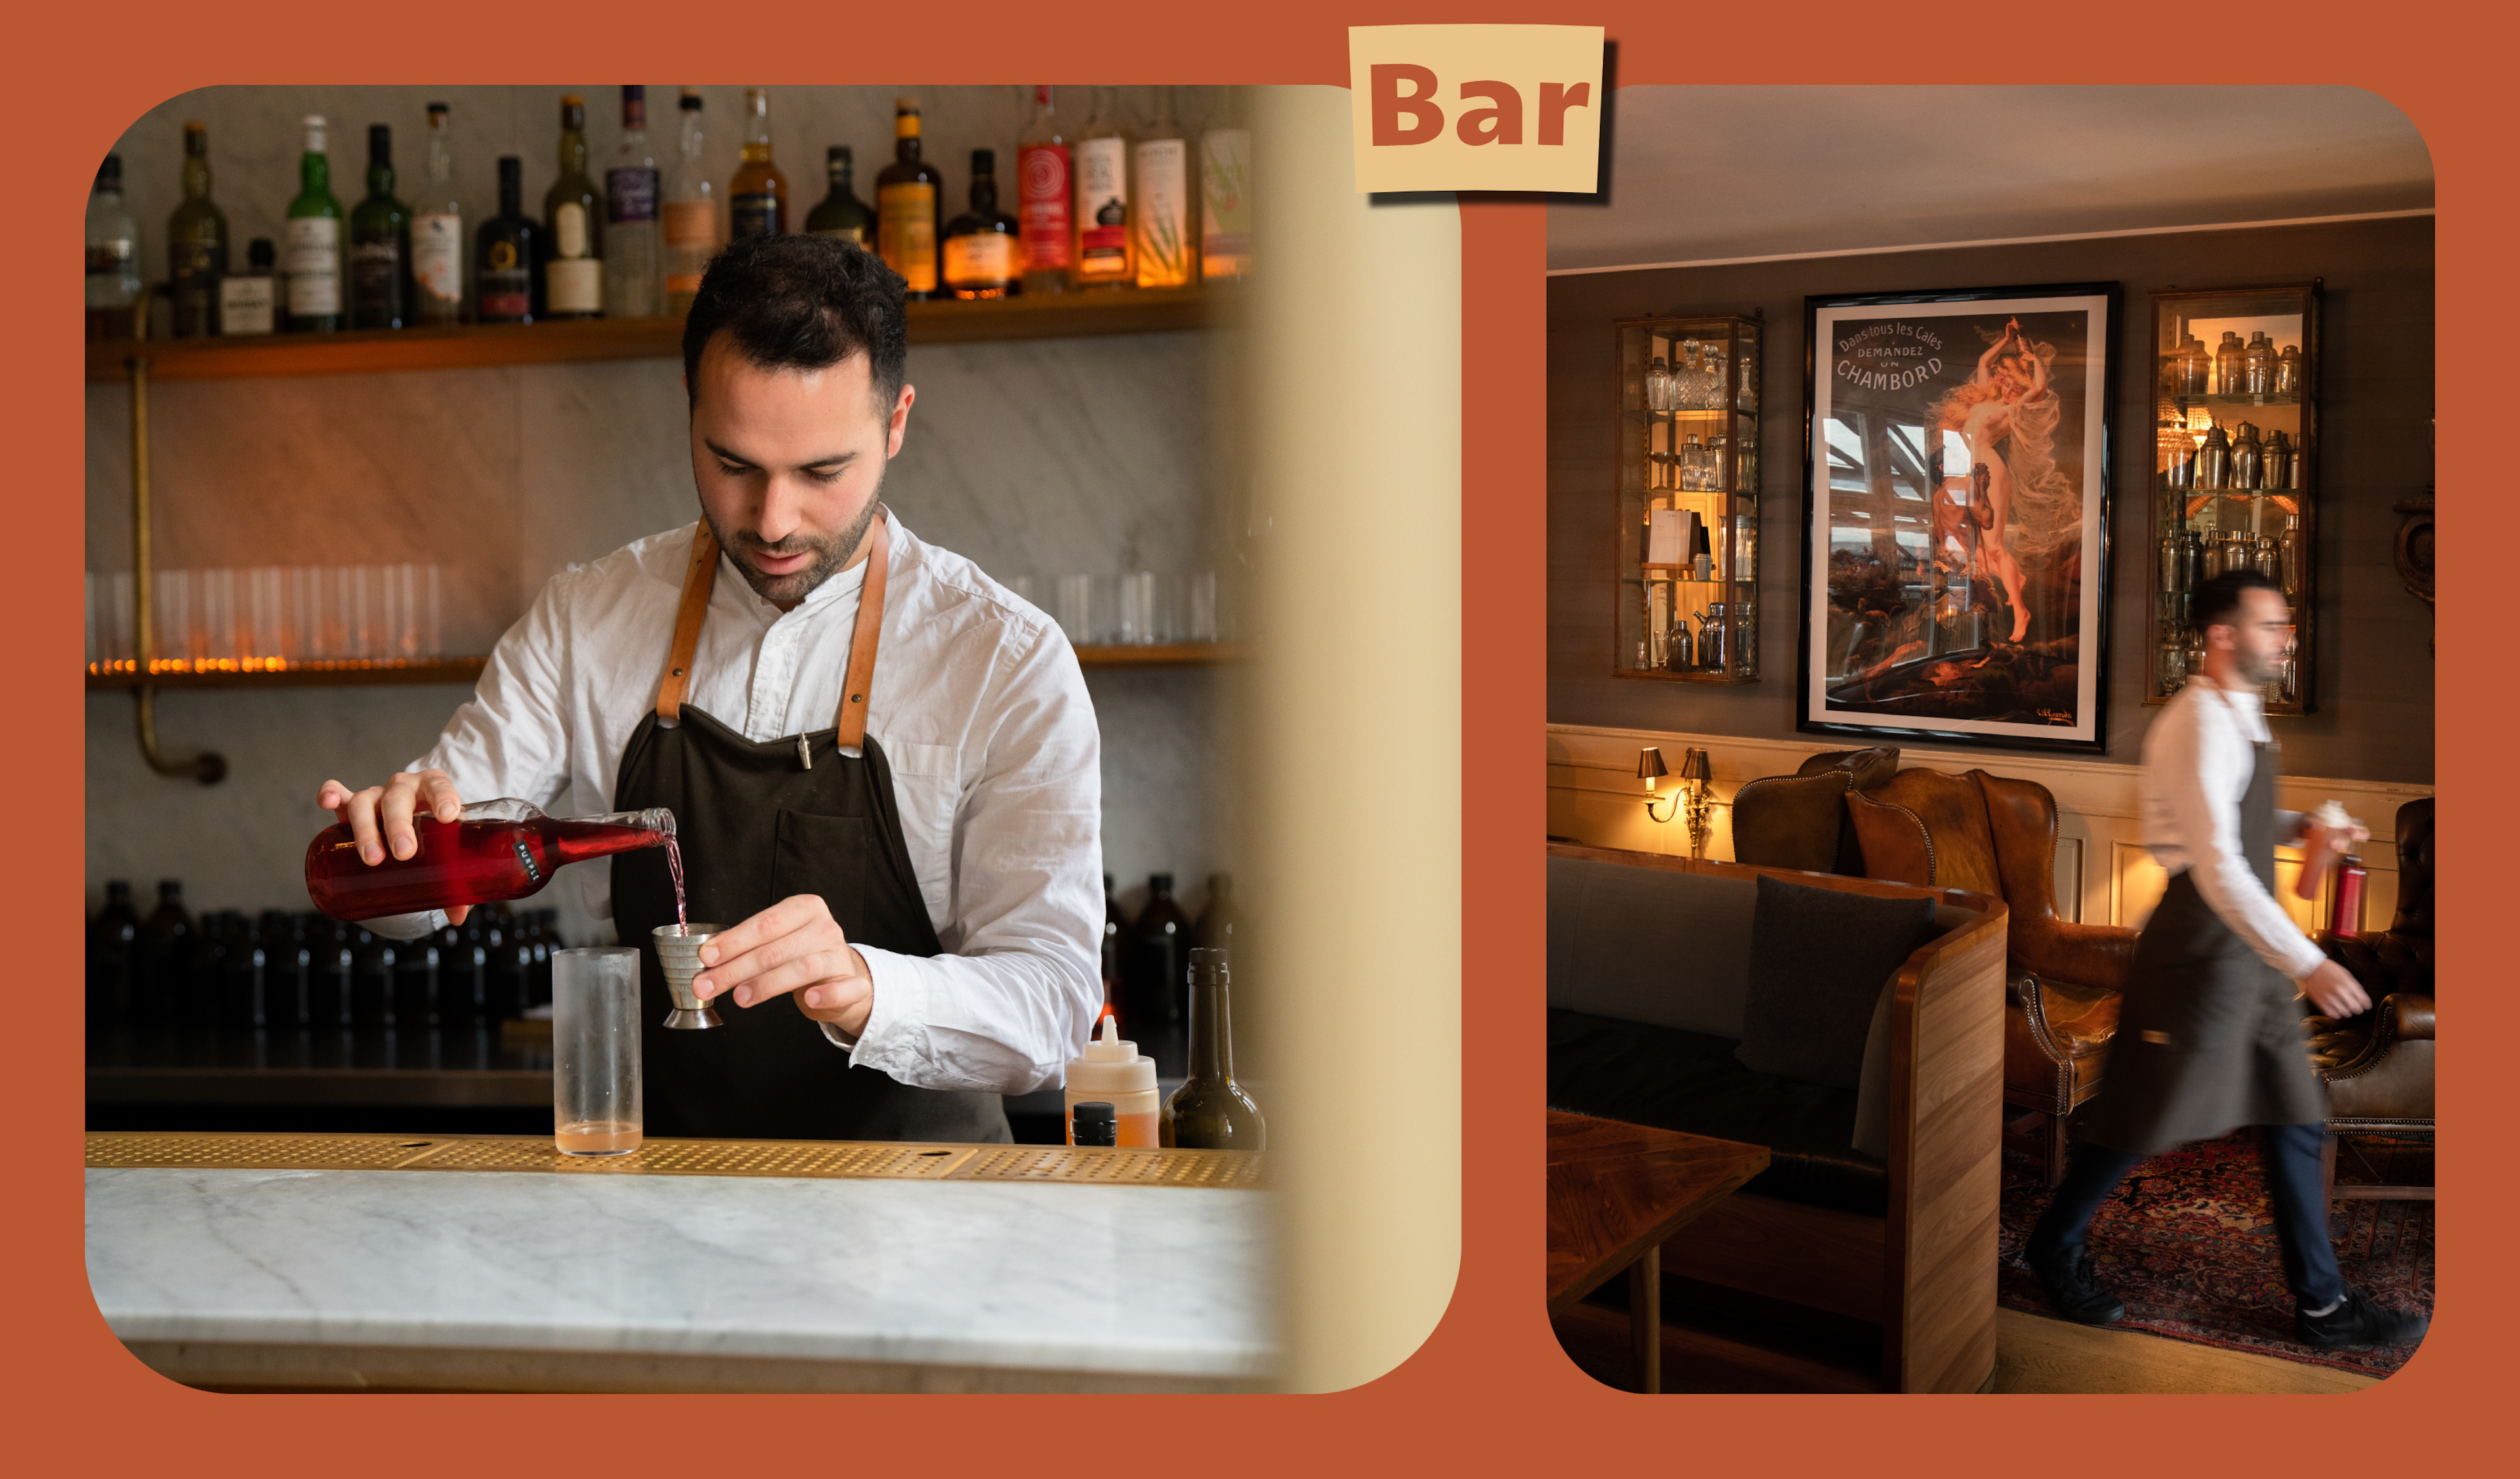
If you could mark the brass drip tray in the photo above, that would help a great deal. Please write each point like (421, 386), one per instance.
(1225, 1170)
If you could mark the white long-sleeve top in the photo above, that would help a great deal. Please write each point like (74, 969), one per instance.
(2197, 758)
(982, 710)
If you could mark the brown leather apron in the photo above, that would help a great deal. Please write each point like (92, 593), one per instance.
(760, 821)
(2209, 1037)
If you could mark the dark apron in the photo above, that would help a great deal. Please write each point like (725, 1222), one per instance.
(759, 823)
(2209, 1037)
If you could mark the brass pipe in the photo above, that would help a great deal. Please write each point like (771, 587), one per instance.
(207, 768)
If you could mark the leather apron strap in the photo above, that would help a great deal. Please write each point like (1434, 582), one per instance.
(700, 578)
(851, 721)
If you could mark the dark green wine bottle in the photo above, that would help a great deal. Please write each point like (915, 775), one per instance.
(197, 243)
(380, 244)
(314, 246)
(1209, 1111)
(843, 214)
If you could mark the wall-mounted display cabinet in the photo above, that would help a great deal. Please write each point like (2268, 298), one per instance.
(1688, 476)
(2236, 470)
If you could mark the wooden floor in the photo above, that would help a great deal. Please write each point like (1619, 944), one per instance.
(2032, 1353)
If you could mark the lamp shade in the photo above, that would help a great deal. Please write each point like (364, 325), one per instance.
(1693, 766)
(1650, 764)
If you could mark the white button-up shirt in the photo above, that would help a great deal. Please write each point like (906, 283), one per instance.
(980, 707)
(2197, 758)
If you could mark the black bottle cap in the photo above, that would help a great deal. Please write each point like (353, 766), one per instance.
(1094, 1122)
(511, 172)
(437, 109)
(840, 155)
(1110, 882)
(259, 252)
(690, 101)
(1207, 960)
(380, 144)
(1161, 884)
(984, 161)
(109, 175)
(118, 891)
(170, 888)
(633, 92)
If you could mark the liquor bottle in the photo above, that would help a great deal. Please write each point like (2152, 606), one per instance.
(249, 300)
(197, 244)
(1225, 192)
(287, 970)
(380, 244)
(574, 226)
(1220, 925)
(1115, 948)
(503, 256)
(113, 951)
(1210, 1111)
(1155, 945)
(164, 964)
(1103, 197)
(1043, 187)
(756, 199)
(690, 213)
(437, 234)
(634, 284)
(314, 263)
(908, 195)
(1168, 247)
(982, 257)
(112, 256)
(841, 216)
(503, 849)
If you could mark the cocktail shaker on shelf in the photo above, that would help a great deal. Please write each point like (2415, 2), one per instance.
(2288, 370)
(1714, 640)
(2276, 463)
(2247, 458)
(2230, 365)
(2258, 363)
(2214, 460)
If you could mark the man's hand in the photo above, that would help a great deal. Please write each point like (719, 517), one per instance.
(794, 947)
(379, 817)
(2332, 989)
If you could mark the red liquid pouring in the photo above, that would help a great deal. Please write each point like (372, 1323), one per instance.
(674, 866)
(472, 862)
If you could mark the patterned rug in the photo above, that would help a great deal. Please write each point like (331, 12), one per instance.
(2189, 1243)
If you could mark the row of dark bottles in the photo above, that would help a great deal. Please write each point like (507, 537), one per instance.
(282, 970)
(1145, 961)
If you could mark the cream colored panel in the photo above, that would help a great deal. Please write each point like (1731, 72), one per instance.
(2069, 878)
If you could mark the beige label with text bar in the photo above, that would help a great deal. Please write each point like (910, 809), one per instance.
(1476, 106)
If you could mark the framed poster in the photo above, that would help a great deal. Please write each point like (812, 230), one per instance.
(1955, 570)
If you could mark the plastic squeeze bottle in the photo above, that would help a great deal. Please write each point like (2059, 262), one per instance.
(1114, 1072)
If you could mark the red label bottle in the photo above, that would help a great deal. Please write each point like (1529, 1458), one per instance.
(504, 849)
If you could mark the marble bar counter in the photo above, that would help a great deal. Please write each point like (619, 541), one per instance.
(379, 1263)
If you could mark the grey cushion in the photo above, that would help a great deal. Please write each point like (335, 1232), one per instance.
(1649, 945)
(1819, 959)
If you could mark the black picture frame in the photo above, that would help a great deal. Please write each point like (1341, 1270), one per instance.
(1917, 394)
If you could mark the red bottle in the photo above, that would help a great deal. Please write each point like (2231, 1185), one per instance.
(504, 849)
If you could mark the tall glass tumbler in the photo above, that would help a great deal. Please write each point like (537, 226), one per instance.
(595, 1107)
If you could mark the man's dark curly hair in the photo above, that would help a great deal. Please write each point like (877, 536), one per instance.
(802, 302)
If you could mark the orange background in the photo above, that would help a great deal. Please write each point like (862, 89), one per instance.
(1489, 1390)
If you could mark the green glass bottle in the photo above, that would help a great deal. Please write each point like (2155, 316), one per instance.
(843, 214)
(573, 214)
(197, 243)
(314, 259)
(380, 245)
(1210, 1111)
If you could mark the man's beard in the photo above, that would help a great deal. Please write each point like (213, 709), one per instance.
(2254, 670)
(830, 556)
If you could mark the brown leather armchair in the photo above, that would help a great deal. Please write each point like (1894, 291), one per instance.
(1799, 821)
(1997, 836)
(2379, 1066)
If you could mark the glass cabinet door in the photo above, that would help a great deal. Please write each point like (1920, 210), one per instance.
(2235, 469)
(1688, 473)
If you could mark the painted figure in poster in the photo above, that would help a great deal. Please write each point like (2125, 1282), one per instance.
(2005, 418)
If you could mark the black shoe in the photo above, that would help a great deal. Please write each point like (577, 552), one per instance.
(2071, 1287)
(2359, 1321)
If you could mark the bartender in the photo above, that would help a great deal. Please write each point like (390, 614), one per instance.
(911, 848)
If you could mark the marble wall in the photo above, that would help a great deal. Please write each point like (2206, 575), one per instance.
(1042, 458)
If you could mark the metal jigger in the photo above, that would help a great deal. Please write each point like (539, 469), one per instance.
(681, 956)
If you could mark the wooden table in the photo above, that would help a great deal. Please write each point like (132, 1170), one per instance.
(1615, 1192)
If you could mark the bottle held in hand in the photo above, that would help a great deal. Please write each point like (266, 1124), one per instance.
(504, 849)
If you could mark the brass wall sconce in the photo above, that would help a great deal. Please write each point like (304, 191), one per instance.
(1695, 772)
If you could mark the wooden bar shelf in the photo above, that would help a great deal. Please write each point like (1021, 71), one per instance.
(1069, 315)
(468, 670)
